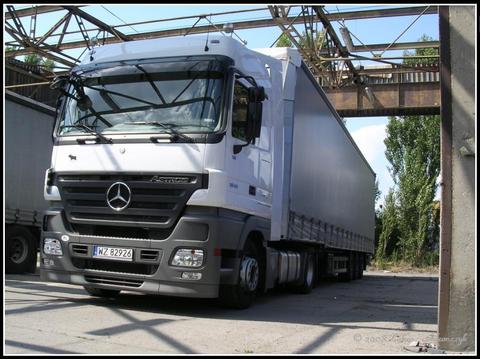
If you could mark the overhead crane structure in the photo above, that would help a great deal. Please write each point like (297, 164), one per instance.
(391, 89)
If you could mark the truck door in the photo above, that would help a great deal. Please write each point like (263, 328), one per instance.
(249, 170)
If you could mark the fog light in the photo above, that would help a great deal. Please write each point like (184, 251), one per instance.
(52, 246)
(191, 275)
(48, 262)
(188, 257)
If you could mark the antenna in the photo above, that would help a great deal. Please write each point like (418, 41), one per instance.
(208, 33)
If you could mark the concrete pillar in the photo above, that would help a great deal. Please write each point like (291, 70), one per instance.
(456, 314)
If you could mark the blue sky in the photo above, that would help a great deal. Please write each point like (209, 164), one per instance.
(368, 132)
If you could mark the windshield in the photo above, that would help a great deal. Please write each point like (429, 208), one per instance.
(163, 97)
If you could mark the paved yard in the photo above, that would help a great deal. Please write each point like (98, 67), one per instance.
(381, 313)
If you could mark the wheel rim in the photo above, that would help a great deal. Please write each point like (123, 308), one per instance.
(19, 250)
(249, 274)
(309, 277)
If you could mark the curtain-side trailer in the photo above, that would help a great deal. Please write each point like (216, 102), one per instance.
(28, 151)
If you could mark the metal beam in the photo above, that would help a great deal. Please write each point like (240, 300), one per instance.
(251, 24)
(35, 49)
(397, 46)
(346, 15)
(52, 30)
(25, 72)
(336, 41)
(373, 14)
(97, 22)
(40, 10)
(388, 99)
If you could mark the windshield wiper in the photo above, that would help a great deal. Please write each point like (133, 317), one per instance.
(98, 135)
(159, 124)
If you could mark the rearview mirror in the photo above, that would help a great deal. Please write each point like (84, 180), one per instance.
(256, 95)
(255, 109)
(59, 82)
(84, 103)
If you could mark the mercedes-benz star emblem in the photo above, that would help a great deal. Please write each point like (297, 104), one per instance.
(118, 196)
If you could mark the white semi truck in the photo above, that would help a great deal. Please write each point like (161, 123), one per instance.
(196, 167)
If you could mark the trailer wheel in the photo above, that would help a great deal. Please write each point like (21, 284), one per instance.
(102, 293)
(21, 250)
(361, 261)
(354, 266)
(307, 280)
(242, 295)
(350, 273)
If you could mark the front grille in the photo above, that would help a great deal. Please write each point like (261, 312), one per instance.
(114, 281)
(156, 202)
(115, 266)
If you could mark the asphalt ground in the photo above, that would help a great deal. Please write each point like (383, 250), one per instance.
(381, 313)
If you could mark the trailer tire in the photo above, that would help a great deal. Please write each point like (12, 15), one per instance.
(361, 264)
(355, 265)
(350, 273)
(20, 250)
(307, 281)
(242, 295)
(102, 293)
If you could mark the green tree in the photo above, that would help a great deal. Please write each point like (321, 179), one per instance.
(33, 59)
(410, 219)
(284, 41)
(45, 64)
(48, 65)
(388, 241)
(305, 41)
(413, 150)
(378, 215)
(428, 51)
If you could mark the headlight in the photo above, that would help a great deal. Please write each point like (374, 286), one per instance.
(188, 257)
(52, 246)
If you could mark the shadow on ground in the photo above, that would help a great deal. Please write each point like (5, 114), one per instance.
(374, 298)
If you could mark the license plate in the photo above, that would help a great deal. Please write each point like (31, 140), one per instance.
(123, 254)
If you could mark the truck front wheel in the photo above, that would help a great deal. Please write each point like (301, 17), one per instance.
(241, 295)
(21, 250)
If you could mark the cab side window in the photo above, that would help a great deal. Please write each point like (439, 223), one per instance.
(239, 111)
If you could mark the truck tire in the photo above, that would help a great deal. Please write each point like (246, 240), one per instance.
(102, 293)
(361, 265)
(350, 273)
(308, 277)
(21, 250)
(242, 295)
(356, 266)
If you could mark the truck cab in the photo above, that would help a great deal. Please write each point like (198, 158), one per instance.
(161, 168)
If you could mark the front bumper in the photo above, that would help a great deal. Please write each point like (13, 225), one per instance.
(152, 275)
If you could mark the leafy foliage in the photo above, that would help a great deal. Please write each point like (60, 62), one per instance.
(33, 59)
(306, 41)
(46, 64)
(410, 218)
(422, 52)
(284, 41)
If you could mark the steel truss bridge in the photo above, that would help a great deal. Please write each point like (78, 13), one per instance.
(391, 88)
